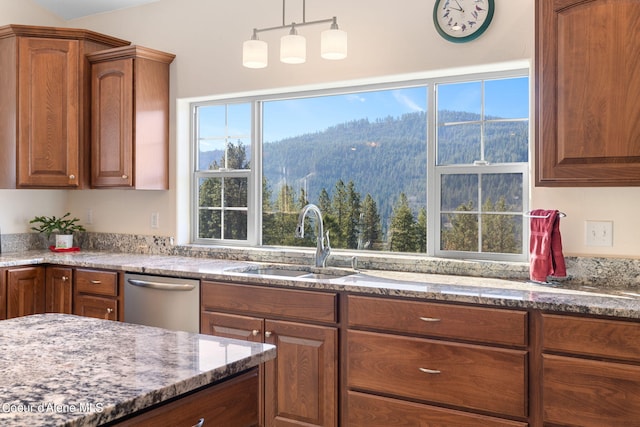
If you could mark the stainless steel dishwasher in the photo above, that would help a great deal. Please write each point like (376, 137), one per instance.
(165, 302)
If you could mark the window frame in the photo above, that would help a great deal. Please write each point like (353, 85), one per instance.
(434, 173)
(434, 179)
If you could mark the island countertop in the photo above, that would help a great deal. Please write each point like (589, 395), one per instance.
(66, 370)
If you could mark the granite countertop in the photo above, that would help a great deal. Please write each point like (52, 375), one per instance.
(465, 289)
(66, 370)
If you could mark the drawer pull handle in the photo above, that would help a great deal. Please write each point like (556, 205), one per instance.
(255, 332)
(200, 423)
(429, 371)
(429, 319)
(109, 310)
(267, 334)
(64, 278)
(95, 282)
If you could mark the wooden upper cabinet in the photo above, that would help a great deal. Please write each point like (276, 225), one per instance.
(48, 130)
(130, 118)
(44, 105)
(587, 103)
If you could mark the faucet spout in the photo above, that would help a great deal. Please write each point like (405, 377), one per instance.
(323, 248)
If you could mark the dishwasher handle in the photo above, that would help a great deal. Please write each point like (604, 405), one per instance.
(161, 286)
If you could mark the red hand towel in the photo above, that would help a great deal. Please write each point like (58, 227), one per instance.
(545, 246)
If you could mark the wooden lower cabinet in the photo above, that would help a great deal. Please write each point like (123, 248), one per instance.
(367, 410)
(590, 371)
(462, 375)
(25, 291)
(232, 403)
(300, 386)
(3, 295)
(98, 294)
(415, 363)
(59, 290)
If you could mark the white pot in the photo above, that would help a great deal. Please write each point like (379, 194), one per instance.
(64, 241)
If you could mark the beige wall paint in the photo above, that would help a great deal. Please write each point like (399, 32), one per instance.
(19, 206)
(384, 40)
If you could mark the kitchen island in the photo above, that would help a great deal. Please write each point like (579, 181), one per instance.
(65, 370)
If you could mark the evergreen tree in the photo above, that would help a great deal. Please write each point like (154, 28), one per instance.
(352, 220)
(402, 231)
(463, 232)
(370, 224)
(421, 230)
(235, 192)
(340, 214)
(498, 231)
(324, 202)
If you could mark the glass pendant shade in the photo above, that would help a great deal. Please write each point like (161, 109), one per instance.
(255, 53)
(333, 44)
(293, 48)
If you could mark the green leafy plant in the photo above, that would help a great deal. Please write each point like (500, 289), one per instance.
(53, 225)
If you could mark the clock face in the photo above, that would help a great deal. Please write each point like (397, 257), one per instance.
(462, 20)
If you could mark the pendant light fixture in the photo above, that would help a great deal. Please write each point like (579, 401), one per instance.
(293, 46)
(255, 53)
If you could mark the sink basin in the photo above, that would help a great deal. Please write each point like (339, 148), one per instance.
(297, 271)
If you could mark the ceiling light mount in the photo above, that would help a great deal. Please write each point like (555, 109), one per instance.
(293, 46)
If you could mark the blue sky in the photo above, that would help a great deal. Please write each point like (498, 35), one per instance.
(294, 117)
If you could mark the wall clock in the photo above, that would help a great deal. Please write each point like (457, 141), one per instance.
(461, 21)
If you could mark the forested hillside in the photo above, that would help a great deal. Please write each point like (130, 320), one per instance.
(382, 164)
(383, 158)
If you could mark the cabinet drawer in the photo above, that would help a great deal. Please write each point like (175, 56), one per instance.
(366, 410)
(590, 393)
(463, 375)
(97, 282)
(231, 403)
(270, 302)
(498, 326)
(593, 337)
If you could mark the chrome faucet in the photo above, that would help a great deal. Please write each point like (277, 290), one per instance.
(322, 250)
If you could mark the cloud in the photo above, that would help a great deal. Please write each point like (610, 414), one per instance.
(406, 101)
(354, 97)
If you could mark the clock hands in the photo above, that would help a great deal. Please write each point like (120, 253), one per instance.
(459, 8)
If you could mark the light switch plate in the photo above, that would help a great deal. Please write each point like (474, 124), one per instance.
(598, 233)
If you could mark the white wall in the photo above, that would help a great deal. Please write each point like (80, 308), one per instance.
(385, 38)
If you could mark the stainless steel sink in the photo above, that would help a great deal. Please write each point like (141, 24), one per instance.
(297, 271)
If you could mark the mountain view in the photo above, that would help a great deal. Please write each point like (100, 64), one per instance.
(386, 160)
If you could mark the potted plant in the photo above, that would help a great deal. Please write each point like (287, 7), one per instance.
(62, 227)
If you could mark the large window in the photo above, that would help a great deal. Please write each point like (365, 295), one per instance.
(436, 166)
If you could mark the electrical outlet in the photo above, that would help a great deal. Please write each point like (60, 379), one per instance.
(89, 220)
(155, 220)
(598, 233)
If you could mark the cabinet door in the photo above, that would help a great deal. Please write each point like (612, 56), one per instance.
(588, 81)
(48, 132)
(25, 291)
(238, 327)
(98, 307)
(301, 383)
(59, 290)
(112, 124)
